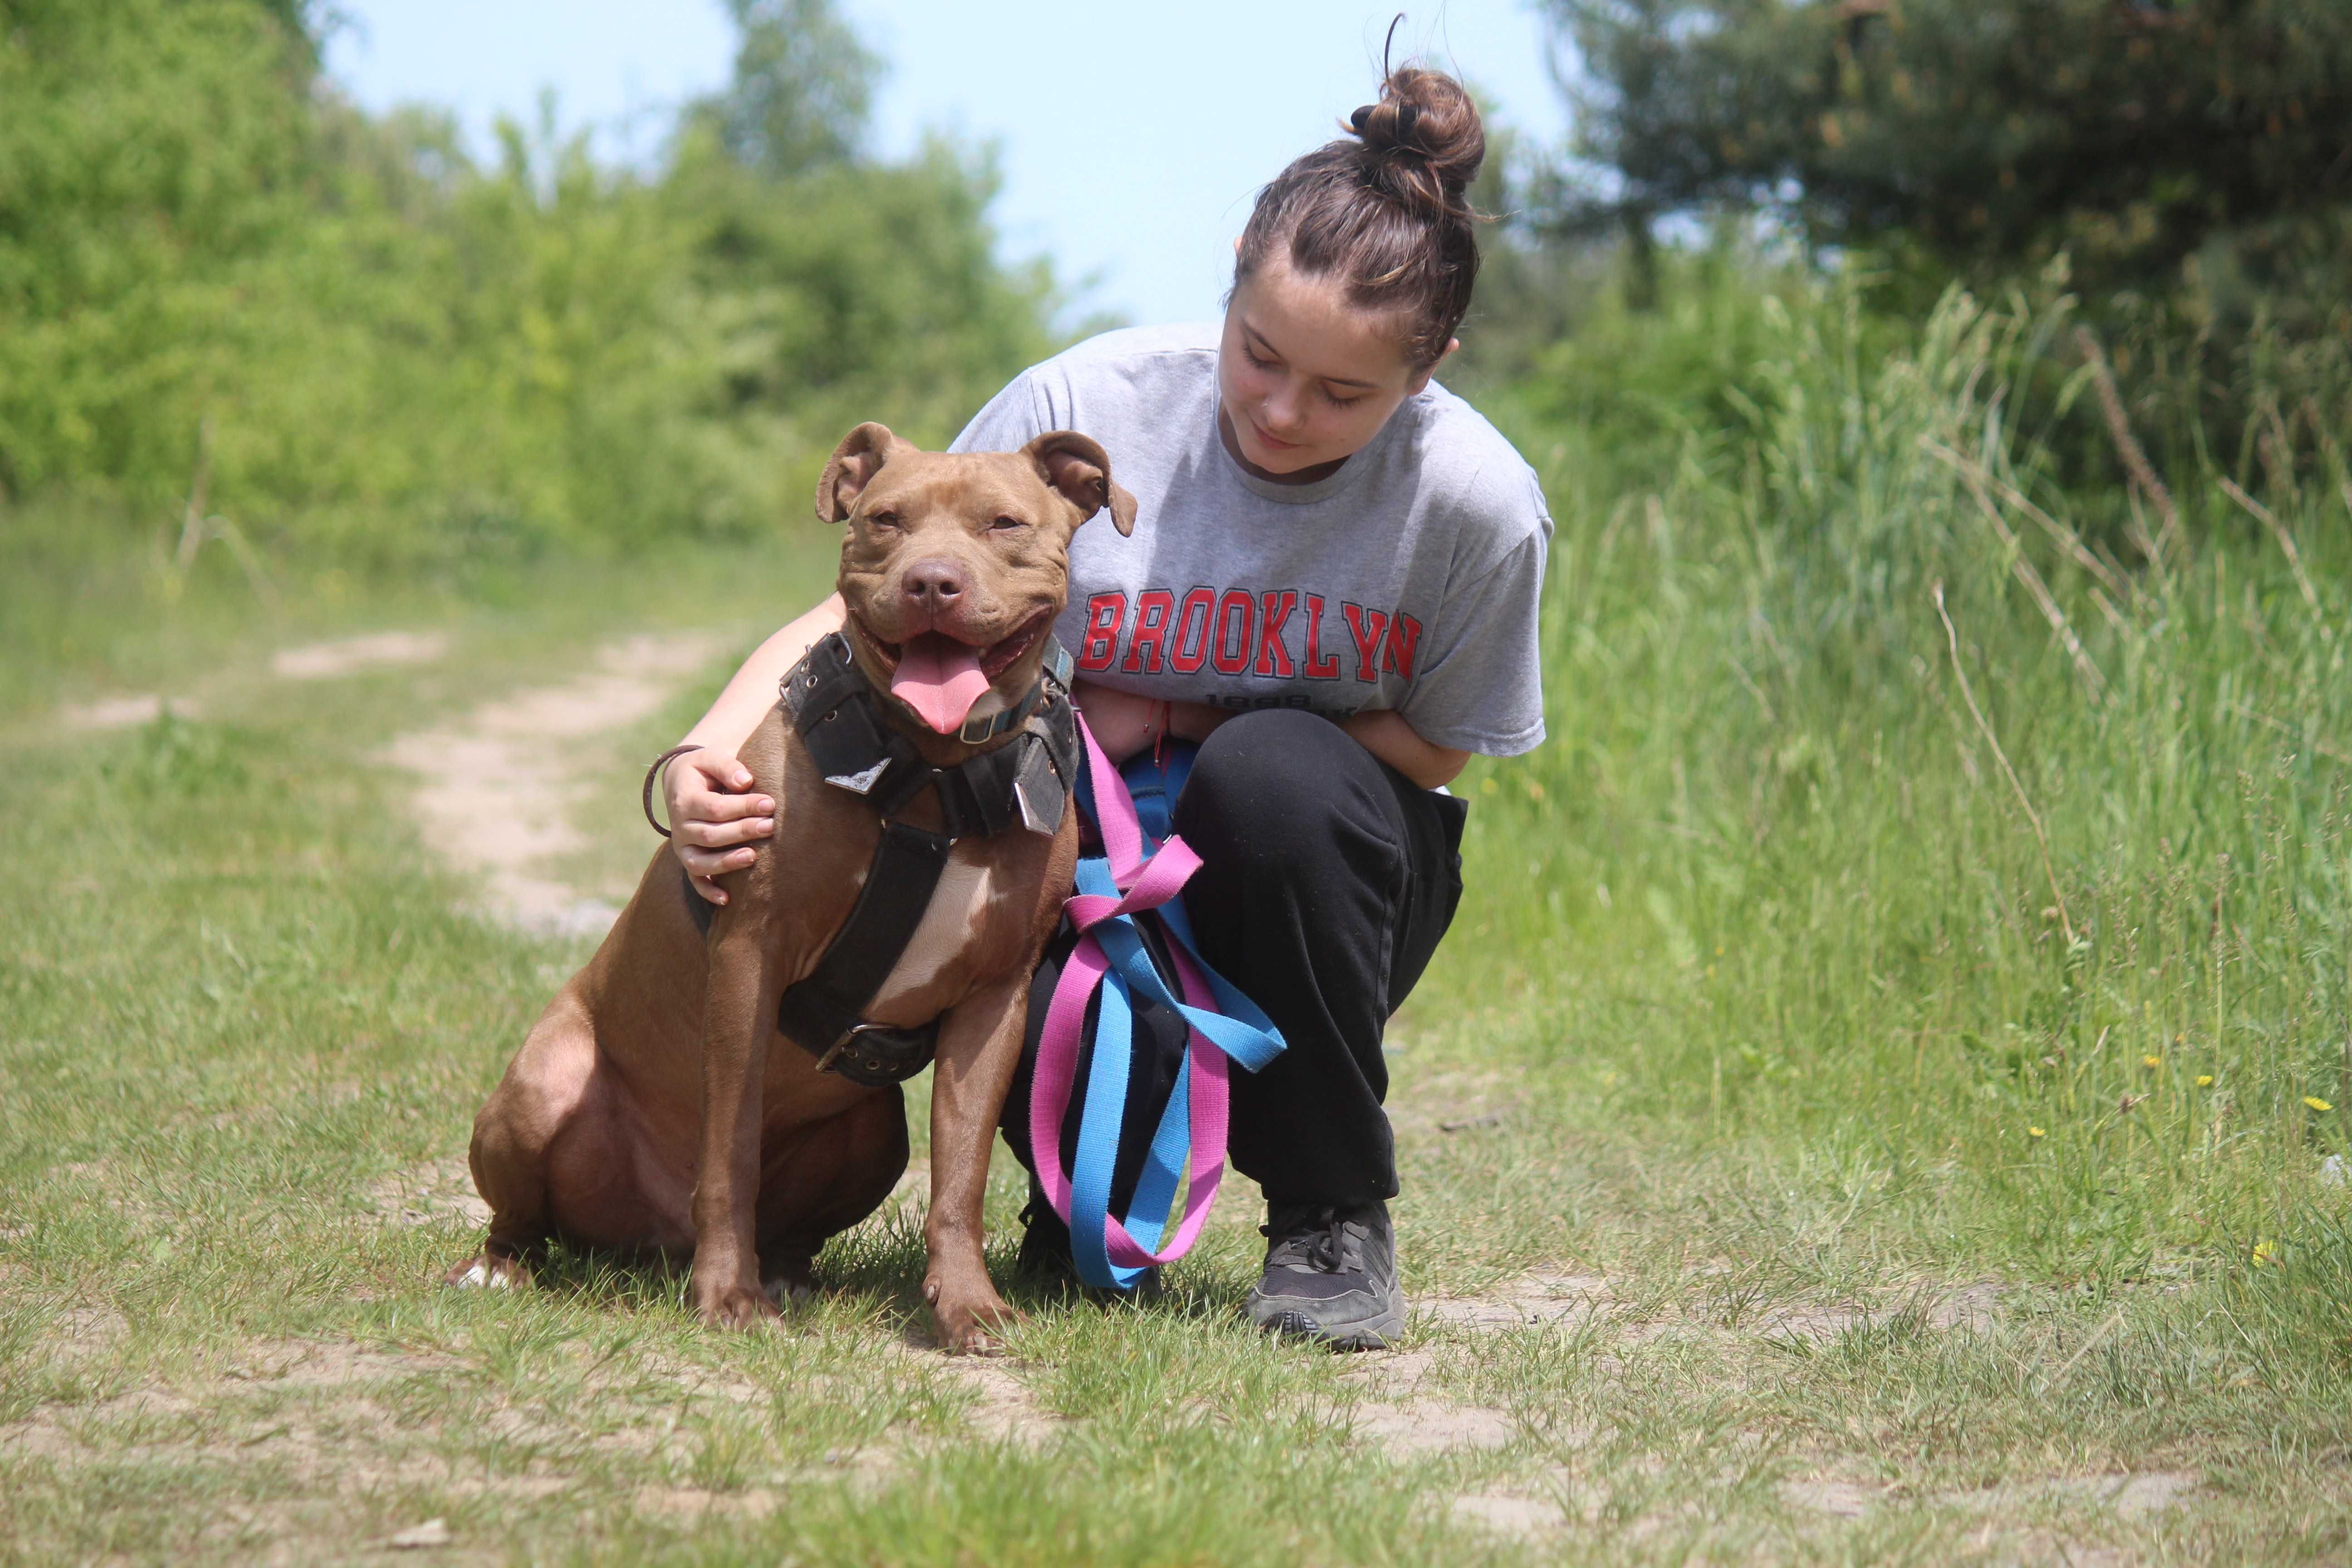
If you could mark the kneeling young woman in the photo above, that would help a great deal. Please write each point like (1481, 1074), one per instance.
(1332, 588)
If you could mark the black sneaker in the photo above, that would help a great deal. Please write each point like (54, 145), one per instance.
(1044, 1257)
(1330, 1276)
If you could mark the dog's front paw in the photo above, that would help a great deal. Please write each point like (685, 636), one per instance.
(485, 1271)
(969, 1320)
(734, 1307)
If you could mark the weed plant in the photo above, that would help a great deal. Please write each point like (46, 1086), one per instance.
(1904, 831)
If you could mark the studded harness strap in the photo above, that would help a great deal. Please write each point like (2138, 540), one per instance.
(1024, 782)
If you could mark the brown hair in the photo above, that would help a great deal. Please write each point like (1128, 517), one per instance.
(1387, 208)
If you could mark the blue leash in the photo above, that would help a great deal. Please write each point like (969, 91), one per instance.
(1237, 1027)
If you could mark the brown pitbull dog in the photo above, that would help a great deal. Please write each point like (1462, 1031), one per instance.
(656, 1104)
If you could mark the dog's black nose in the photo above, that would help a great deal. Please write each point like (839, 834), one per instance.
(935, 582)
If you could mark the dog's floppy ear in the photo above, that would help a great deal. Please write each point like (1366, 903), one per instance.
(855, 463)
(1076, 466)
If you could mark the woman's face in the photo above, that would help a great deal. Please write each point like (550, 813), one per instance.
(1305, 377)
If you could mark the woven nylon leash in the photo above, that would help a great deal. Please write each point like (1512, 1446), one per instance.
(1135, 877)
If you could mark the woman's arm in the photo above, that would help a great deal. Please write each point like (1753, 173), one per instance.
(1383, 733)
(712, 821)
(737, 712)
(1123, 724)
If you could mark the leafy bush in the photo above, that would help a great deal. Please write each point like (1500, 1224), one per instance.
(218, 282)
(151, 154)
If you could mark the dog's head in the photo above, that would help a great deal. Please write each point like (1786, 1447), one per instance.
(956, 564)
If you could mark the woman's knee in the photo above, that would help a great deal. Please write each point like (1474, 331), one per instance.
(1268, 787)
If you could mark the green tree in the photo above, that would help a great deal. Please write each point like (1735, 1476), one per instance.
(149, 152)
(405, 356)
(1989, 135)
(801, 91)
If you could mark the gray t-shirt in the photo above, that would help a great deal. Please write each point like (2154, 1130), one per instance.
(1409, 580)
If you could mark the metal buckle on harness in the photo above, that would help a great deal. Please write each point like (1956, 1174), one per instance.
(825, 1063)
(977, 732)
(897, 1055)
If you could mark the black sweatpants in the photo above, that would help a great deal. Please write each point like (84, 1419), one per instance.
(1327, 880)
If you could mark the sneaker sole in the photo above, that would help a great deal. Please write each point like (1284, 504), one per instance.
(1377, 1335)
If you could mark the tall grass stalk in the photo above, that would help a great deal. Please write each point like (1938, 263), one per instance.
(1762, 886)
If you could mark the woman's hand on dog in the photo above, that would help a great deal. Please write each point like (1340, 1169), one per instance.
(714, 820)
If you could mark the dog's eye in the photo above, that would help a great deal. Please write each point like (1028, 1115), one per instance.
(1002, 523)
(883, 519)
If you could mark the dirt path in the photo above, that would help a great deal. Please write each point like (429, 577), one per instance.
(329, 660)
(499, 784)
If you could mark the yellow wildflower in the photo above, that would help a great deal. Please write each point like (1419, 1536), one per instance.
(2204, 1080)
(2151, 1061)
(2264, 1253)
(2035, 1133)
(2316, 1103)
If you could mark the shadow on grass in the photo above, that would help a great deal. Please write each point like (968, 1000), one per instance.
(872, 1277)
(874, 1272)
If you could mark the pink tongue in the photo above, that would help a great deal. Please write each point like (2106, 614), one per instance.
(940, 679)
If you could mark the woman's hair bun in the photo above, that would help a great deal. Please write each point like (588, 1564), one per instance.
(1422, 141)
(1386, 208)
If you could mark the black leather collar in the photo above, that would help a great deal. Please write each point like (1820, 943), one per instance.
(1024, 782)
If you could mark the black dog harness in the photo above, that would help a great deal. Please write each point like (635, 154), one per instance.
(1024, 782)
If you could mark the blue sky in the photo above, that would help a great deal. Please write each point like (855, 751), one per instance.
(1132, 137)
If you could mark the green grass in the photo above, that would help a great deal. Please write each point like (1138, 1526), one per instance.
(1730, 1234)
(1773, 885)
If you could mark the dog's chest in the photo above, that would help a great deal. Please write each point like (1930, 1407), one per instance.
(961, 928)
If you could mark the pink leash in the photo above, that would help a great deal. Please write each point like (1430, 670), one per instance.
(1140, 883)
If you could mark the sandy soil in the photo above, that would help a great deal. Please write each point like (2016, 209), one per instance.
(123, 712)
(348, 656)
(498, 784)
(306, 661)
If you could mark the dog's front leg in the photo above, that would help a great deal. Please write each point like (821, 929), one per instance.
(739, 1007)
(979, 1045)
